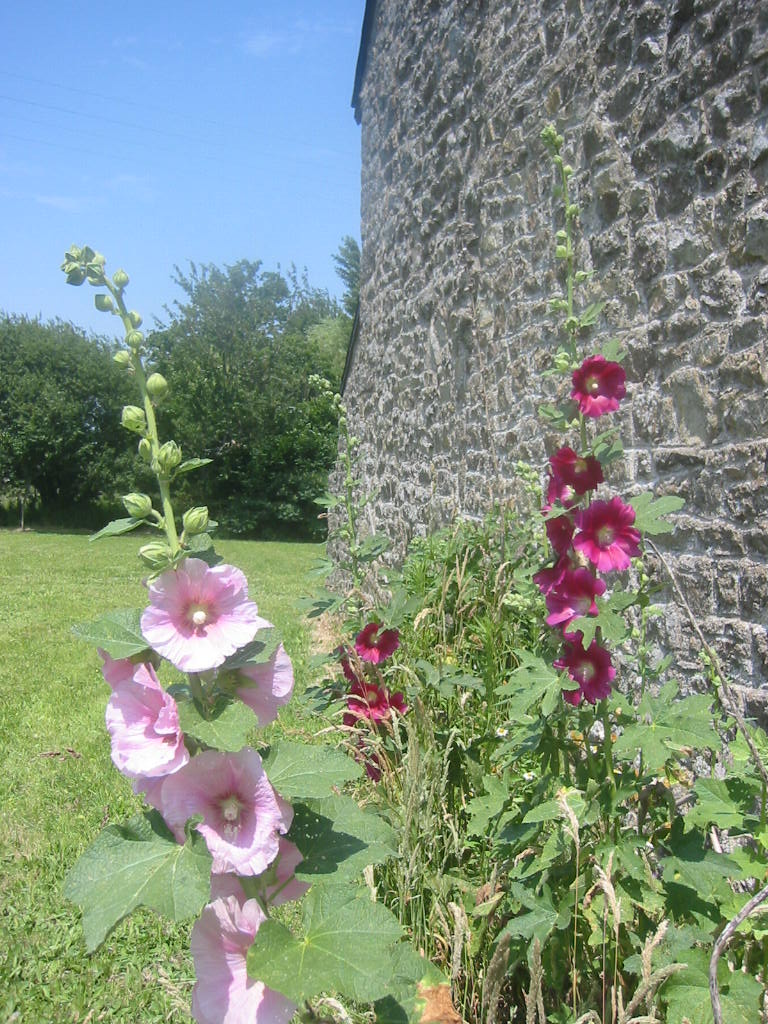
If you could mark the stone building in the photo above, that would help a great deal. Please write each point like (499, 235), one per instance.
(663, 106)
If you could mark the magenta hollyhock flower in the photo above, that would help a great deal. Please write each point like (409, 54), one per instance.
(223, 992)
(352, 672)
(590, 668)
(279, 882)
(375, 644)
(606, 534)
(559, 490)
(598, 386)
(581, 472)
(560, 533)
(368, 700)
(242, 814)
(268, 686)
(573, 596)
(546, 579)
(198, 615)
(142, 721)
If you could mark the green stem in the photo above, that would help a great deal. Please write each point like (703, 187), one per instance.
(607, 742)
(169, 520)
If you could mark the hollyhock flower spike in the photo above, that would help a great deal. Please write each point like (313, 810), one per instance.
(142, 721)
(606, 536)
(242, 815)
(581, 472)
(266, 687)
(573, 597)
(199, 615)
(375, 644)
(560, 533)
(598, 386)
(223, 992)
(591, 668)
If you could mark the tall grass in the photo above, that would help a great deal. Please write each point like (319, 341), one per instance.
(57, 784)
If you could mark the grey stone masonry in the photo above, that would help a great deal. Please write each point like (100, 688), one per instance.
(664, 111)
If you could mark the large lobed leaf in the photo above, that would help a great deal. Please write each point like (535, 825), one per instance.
(118, 633)
(337, 838)
(299, 770)
(138, 864)
(347, 947)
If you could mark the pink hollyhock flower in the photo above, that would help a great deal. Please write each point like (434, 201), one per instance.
(350, 671)
(598, 386)
(573, 596)
(278, 883)
(560, 533)
(546, 579)
(242, 814)
(559, 490)
(142, 721)
(198, 615)
(266, 687)
(590, 668)
(581, 472)
(368, 700)
(223, 992)
(606, 534)
(374, 646)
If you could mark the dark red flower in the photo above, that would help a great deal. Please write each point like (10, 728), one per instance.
(606, 534)
(344, 655)
(560, 533)
(375, 644)
(368, 700)
(598, 386)
(590, 668)
(559, 490)
(580, 472)
(546, 579)
(573, 596)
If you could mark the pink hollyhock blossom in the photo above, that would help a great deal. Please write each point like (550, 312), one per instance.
(142, 720)
(266, 687)
(352, 673)
(223, 992)
(546, 579)
(242, 814)
(198, 615)
(581, 472)
(606, 534)
(368, 700)
(590, 668)
(598, 386)
(279, 882)
(573, 596)
(559, 490)
(560, 533)
(375, 644)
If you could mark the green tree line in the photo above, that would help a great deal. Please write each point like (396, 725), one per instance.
(238, 351)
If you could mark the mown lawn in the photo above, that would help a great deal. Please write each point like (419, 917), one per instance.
(57, 783)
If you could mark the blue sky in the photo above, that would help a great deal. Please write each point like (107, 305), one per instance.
(172, 132)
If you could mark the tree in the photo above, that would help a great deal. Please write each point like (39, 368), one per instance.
(61, 444)
(347, 260)
(238, 353)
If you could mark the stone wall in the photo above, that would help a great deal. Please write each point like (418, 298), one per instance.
(663, 107)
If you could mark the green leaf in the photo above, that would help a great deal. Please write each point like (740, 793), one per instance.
(612, 351)
(116, 527)
(612, 626)
(687, 993)
(189, 464)
(591, 313)
(528, 683)
(346, 947)
(228, 726)
(537, 922)
(257, 652)
(336, 837)
(483, 809)
(650, 514)
(665, 727)
(715, 805)
(118, 633)
(416, 982)
(301, 771)
(138, 864)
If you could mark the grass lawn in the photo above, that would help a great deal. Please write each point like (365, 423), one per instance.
(58, 787)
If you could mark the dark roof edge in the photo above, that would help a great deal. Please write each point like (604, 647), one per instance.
(362, 56)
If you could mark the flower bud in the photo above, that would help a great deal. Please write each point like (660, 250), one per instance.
(133, 418)
(134, 339)
(562, 362)
(74, 253)
(168, 457)
(155, 555)
(138, 506)
(561, 252)
(135, 318)
(76, 275)
(120, 279)
(122, 358)
(145, 449)
(195, 520)
(103, 303)
(157, 387)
